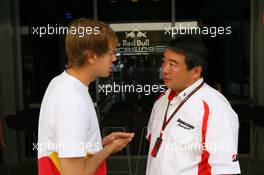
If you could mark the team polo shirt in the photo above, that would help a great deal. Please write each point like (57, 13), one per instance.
(201, 139)
(68, 125)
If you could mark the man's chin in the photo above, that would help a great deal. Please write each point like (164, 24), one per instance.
(105, 75)
(167, 84)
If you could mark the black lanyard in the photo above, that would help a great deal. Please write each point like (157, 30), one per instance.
(165, 121)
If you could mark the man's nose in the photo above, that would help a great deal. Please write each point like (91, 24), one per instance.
(114, 58)
(165, 68)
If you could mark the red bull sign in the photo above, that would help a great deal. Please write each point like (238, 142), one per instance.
(135, 42)
(136, 34)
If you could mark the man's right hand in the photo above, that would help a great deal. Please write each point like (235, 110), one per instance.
(75, 165)
(117, 144)
(116, 135)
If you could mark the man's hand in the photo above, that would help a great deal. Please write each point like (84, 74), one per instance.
(113, 143)
(116, 135)
(117, 145)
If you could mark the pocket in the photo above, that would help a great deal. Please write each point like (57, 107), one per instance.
(182, 134)
(185, 140)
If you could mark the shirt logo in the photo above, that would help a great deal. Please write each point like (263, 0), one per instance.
(184, 124)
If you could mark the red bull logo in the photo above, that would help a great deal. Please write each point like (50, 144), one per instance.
(130, 35)
(135, 42)
(136, 34)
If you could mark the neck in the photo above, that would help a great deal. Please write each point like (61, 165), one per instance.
(177, 91)
(82, 74)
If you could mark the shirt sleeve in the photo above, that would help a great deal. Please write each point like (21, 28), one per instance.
(222, 140)
(72, 126)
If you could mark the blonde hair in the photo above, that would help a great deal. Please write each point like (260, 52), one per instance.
(97, 39)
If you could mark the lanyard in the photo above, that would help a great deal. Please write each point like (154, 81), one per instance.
(158, 143)
(165, 121)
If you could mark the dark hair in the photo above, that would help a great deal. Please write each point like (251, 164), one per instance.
(193, 49)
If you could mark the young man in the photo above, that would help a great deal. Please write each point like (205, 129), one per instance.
(192, 129)
(69, 140)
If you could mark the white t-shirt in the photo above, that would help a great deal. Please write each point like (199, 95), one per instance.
(206, 118)
(68, 123)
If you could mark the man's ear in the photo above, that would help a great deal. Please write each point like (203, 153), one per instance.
(197, 71)
(90, 57)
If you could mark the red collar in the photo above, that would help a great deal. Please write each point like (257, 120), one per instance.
(171, 95)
